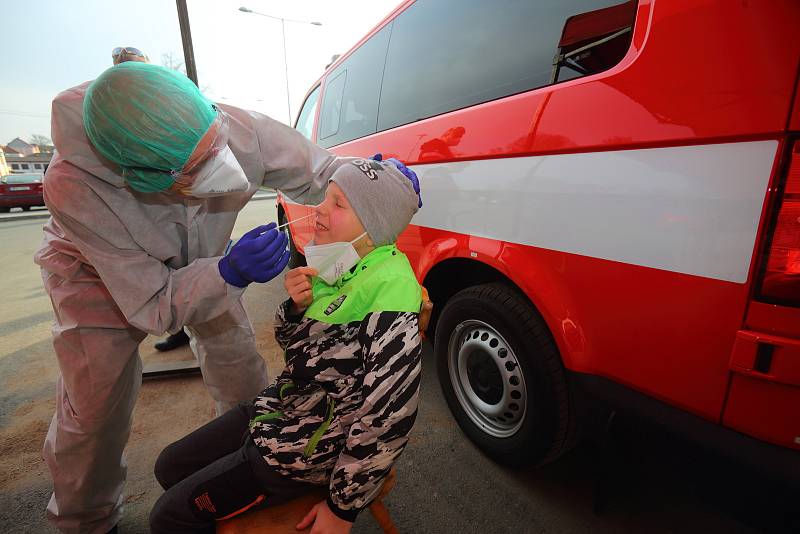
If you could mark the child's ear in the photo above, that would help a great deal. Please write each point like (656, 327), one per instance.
(369, 242)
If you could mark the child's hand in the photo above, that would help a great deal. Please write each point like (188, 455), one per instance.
(298, 285)
(324, 521)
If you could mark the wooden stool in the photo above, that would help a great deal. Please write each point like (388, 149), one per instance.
(282, 519)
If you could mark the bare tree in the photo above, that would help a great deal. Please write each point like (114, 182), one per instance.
(41, 140)
(171, 62)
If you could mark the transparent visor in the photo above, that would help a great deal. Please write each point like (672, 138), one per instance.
(213, 142)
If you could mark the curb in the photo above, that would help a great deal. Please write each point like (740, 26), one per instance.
(265, 196)
(27, 216)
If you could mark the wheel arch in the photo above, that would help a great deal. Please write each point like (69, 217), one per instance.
(454, 270)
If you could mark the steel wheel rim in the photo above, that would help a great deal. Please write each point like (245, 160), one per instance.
(495, 400)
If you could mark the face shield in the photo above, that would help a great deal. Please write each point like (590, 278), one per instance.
(212, 169)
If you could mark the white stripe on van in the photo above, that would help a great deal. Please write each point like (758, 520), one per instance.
(691, 209)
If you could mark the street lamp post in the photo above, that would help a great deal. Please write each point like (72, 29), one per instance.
(285, 61)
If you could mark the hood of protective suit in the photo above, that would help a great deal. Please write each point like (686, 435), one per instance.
(70, 141)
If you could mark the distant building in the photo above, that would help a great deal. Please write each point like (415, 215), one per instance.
(35, 162)
(23, 147)
(4, 169)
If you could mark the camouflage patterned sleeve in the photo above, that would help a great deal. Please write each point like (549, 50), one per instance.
(286, 324)
(392, 354)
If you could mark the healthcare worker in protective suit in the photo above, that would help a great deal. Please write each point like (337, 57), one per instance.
(143, 191)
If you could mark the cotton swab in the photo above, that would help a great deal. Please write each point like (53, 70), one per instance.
(295, 220)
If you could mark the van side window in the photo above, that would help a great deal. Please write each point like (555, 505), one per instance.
(332, 106)
(350, 103)
(305, 120)
(593, 41)
(449, 54)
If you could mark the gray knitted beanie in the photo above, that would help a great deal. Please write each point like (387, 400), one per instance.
(382, 197)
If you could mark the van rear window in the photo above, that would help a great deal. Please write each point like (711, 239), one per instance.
(449, 54)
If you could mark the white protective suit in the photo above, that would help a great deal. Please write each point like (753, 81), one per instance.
(118, 265)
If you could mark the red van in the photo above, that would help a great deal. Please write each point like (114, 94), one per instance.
(612, 209)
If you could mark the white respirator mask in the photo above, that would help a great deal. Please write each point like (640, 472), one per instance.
(219, 176)
(212, 170)
(331, 261)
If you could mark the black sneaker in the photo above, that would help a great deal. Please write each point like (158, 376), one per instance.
(173, 342)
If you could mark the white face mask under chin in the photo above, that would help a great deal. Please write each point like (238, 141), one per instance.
(220, 176)
(332, 260)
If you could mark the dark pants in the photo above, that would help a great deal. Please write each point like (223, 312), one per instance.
(215, 472)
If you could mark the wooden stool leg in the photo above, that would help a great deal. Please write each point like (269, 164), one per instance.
(381, 515)
(378, 509)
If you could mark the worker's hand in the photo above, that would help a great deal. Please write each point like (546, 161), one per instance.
(298, 285)
(324, 521)
(411, 175)
(259, 256)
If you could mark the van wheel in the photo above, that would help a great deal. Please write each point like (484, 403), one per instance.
(502, 376)
(4, 209)
(295, 258)
(26, 208)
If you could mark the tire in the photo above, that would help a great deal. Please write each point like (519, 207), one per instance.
(295, 258)
(26, 208)
(4, 209)
(502, 376)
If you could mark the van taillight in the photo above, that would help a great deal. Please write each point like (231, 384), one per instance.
(780, 282)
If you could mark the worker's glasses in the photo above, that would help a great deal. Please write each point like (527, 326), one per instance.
(129, 50)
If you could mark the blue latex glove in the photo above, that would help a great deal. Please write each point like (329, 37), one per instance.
(259, 256)
(411, 175)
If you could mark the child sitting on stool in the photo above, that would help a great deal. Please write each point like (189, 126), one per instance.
(340, 412)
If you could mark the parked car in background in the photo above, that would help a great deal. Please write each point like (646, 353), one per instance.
(21, 191)
(612, 210)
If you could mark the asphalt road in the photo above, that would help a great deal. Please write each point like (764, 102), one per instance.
(658, 483)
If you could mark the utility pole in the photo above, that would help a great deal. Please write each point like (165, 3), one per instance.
(283, 20)
(186, 38)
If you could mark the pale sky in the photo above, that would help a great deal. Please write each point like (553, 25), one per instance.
(239, 56)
